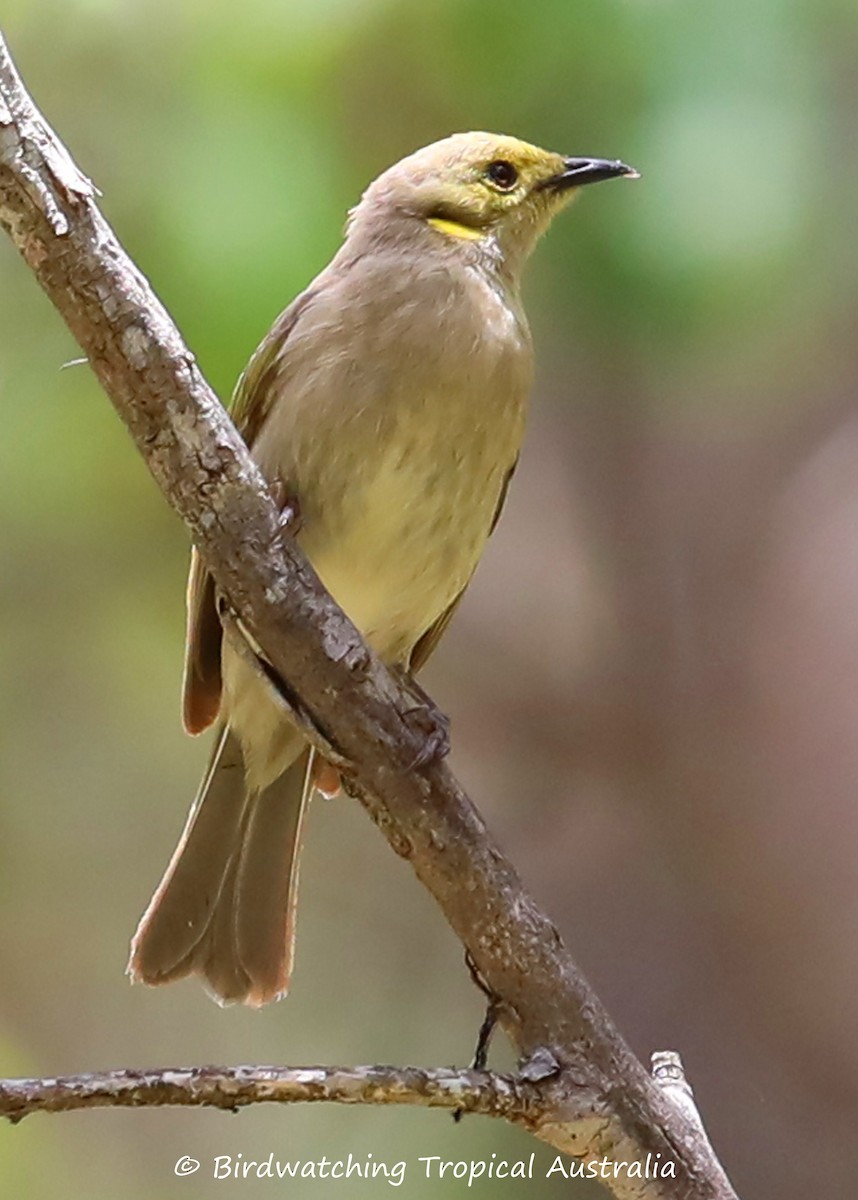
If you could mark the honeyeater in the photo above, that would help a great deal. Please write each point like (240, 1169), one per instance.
(388, 403)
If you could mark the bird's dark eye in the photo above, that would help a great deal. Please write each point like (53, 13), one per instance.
(502, 174)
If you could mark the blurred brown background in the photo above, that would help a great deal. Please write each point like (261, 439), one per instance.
(654, 680)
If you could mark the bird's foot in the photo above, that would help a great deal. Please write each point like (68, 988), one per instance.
(428, 723)
(288, 507)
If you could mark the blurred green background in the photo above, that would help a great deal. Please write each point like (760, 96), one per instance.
(654, 680)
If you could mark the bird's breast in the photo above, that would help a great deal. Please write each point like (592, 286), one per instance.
(398, 447)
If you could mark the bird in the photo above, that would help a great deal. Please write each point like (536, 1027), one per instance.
(386, 409)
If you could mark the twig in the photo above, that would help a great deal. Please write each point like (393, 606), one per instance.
(563, 1034)
(669, 1073)
(237, 1087)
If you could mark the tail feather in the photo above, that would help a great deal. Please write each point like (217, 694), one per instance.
(215, 958)
(225, 908)
(181, 908)
(267, 886)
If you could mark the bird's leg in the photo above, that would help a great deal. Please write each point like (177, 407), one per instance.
(426, 720)
(288, 507)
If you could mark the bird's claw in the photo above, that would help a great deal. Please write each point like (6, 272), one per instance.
(433, 727)
(426, 721)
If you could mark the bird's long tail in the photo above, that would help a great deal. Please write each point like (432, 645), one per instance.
(225, 908)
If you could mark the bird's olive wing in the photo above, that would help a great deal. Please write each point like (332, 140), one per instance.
(254, 395)
(201, 685)
(432, 636)
(507, 480)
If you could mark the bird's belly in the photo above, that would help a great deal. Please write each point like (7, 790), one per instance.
(401, 554)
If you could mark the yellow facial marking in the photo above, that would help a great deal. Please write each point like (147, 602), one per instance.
(454, 229)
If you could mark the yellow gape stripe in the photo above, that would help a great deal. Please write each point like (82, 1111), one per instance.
(454, 229)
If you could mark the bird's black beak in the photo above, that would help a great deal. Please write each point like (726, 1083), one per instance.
(578, 171)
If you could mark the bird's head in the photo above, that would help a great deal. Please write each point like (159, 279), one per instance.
(483, 188)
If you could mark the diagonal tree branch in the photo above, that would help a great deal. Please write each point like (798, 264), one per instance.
(359, 713)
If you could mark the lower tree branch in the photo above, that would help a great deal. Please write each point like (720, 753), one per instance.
(236, 1087)
(517, 1099)
(354, 707)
